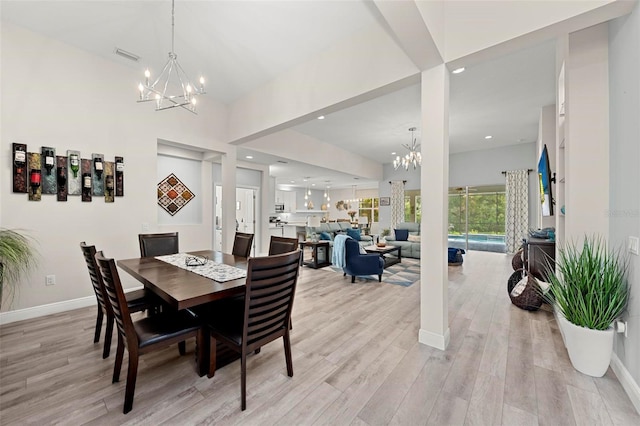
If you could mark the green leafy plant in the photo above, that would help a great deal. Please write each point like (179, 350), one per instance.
(589, 285)
(385, 232)
(17, 257)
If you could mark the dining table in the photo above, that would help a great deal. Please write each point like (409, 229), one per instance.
(180, 288)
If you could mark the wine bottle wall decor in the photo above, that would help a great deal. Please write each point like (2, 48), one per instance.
(44, 172)
(61, 178)
(85, 172)
(48, 168)
(34, 176)
(74, 177)
(19, 156)
(119, 176)
(109, 181)
(97, 174)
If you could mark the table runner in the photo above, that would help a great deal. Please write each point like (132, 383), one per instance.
(216, 271)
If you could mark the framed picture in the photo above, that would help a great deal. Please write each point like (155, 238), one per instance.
(385, 201)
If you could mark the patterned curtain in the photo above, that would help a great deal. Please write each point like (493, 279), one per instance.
(397, 202)
(517, 217)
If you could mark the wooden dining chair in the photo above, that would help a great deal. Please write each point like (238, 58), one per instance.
(280, 245)
(137, 300)
(146, 334)
(262, 316)
(242, 244)
(158, 244)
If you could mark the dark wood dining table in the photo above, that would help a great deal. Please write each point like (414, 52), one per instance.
(183, 289)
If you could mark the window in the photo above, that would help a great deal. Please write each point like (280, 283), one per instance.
(412, 206)
(369, 208)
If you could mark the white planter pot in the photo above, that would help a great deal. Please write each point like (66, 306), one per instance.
(589, 350)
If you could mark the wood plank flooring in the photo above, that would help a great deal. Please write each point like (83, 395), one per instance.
(356, 361)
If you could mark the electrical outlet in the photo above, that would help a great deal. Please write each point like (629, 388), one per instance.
(633, 245)
(145, 227)
(50, 280)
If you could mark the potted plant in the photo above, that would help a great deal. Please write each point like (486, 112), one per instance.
(17, 257)
(589, 291)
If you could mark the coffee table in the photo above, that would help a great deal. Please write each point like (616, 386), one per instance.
(388, 260)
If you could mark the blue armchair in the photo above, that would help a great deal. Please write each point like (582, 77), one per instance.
(358, 264)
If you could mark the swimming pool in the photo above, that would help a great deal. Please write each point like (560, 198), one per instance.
(481, 242)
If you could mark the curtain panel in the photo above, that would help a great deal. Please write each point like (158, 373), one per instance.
(397, 202)
(517, 214)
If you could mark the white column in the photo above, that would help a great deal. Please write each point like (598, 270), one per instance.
(229, 162)
(434, 180)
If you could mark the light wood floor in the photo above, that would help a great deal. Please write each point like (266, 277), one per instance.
(356, 362)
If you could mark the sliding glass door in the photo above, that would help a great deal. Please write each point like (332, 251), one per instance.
(477, 218)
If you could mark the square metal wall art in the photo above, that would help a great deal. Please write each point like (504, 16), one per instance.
(173, 195)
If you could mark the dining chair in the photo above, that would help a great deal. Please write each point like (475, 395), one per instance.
(280, 245)
(158, 244)
(146, 334)
(262, 316)
(137, 300)
(242, 244)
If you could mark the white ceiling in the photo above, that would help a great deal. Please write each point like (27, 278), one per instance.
(240, 45)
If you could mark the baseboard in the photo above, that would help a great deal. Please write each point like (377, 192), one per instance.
(626, 380)
(438, 341)
(42, 310)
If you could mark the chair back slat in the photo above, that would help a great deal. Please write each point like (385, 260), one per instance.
(242, 243)
(280, 245)
(89, 253)
(113, 288)
(158, 244)
(270, 290)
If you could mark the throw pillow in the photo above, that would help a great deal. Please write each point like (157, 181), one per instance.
(401, 234)
(414, 238)
(354, 233)
(325, 236)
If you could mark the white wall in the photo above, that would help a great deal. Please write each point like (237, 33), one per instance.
(60, 96)
(587, 140)
(624, 210)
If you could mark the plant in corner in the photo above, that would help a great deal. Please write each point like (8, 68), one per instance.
(589, 290)
(17, 257)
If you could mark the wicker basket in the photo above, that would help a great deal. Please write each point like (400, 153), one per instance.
(518, 262)
(530, 298)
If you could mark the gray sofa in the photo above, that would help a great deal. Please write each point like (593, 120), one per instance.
(408, 248)
(335, 228)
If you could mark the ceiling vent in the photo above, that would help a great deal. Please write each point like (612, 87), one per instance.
(128, 55)
(283, 162)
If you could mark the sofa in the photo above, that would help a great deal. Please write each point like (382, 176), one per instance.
(408, 239)
(329, 230)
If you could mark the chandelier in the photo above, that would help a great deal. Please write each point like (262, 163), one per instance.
(414, 157)
(165, 90)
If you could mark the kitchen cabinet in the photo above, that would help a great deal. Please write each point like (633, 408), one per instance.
(288, 198)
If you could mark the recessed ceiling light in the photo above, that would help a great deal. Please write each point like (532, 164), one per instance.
(321, 117)
(250, 157)
(293, 181)
(488, 137)
(393, 153)
(458, 70)
(313, 184)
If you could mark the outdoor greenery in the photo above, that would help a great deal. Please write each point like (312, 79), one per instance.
(486, 213)
(589, 285)
(369, 208)
(17, 257)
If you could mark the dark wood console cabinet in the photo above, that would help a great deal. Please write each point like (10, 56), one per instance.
(540, 252)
